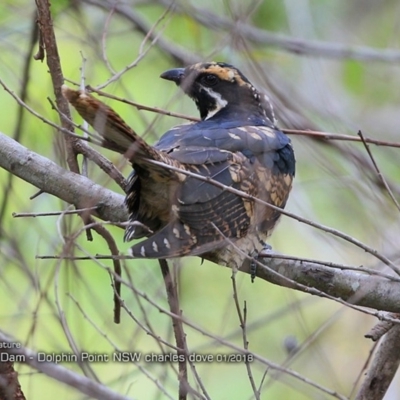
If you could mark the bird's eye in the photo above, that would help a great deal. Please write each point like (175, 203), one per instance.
(209, 80)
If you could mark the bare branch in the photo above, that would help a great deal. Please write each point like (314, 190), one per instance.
(356, 288)
(359, 288)
(179, 333)
(53, 62)
(142, 51)
(142, 106)
(235, 347)
(68, 186)
(52, 213)
(178, 53)
(112, 245)
(18, 130)
(383, 367)
(339, 136)
(281, 42)
(243, 321)
(378, 171)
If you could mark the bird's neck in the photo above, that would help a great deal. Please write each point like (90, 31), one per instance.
(237, 112)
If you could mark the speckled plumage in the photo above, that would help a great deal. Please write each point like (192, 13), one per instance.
(236, 144)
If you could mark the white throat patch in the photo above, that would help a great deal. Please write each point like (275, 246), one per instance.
(220, 103)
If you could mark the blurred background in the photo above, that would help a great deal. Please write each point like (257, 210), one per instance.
(328, 66)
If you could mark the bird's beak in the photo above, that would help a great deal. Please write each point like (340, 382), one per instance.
(176, 75)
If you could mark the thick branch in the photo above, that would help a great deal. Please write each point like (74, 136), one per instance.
(68, 186)
(383, 368)
(358, 288)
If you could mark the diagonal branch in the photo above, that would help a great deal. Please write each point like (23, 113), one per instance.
(51, 178)
(383, 367)
(359, 288)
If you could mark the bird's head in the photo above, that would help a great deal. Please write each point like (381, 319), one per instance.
(217, 87)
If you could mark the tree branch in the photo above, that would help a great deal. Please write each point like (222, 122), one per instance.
(51, 178)
(282, 42)
(53, 62)
(179, 54)
(383, 367)
(358, 288)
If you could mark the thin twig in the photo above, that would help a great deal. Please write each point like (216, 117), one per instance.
(85, 125)
(103, 163)
(54, 213)
(20, 114)
(362, 370)
(180, 336)
(117, 349)
(380, 175)
(297, 132)
(105, 234)
(92, 323)
(37, 194)
(142, 52)
(112, 245)
(234, 347)
(104, 41)
(179, 54)
(45, 120)
(140, 106)
(86, 368)
(149, 325)
(315, 279)
(339, 136)
(242, 320)
(139, 323)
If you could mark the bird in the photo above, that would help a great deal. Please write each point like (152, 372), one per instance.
(204, 188)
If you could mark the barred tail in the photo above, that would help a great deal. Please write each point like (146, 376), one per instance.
(116, 134)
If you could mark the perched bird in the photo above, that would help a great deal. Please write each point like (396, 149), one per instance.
(236, 144)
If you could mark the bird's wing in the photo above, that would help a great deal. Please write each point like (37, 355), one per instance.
(203, 215)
